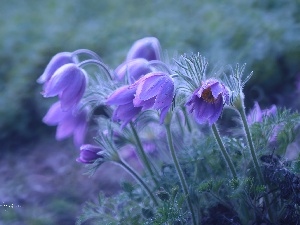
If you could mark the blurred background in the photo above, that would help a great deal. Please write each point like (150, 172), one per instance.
(40, 182)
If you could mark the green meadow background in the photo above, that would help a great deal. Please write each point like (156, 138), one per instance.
(41, 175)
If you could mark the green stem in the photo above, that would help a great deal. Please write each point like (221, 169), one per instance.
(142, 154)
(223, 150)
(241, 109)
(180, 174)
(138, 179)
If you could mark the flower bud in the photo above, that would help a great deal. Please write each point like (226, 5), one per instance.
(89, 154)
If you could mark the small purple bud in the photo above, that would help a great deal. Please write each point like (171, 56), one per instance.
(207, 101)
(256, 114)
(69, 82)
(89, 154)
(147, 48)
(56, 62)
(134, 69)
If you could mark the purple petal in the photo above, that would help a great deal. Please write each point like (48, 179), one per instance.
(121, 96)
(56, 62)
(147, 48)
(54, 115)
(65, 128)
(217, 109)
(80, 132)
(165, 96)
(125, 113)
(216, 89)
(72, 95)
(134, 68)
(149, 85)
(255, 115)
(61, 79)
(163, 114)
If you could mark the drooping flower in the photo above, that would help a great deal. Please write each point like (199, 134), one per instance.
(123, 97)
(207, 101)
(134, 68)
(155, 90)
(147, 48)
(256, 114)
(69, 83)
(72, 122)
(56, 62)
(89, 154)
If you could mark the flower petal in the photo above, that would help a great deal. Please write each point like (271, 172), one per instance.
(165, 95)
(56, 62)
(54, 115)
(121, 96)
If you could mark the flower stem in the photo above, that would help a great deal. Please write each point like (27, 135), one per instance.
(138, 179)
(241, 110)
(223, 150)
(142, 154)
(180, 173)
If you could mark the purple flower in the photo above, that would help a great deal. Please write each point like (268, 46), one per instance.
(256, 114)
(69, 82)
(134, 68)
(72, 122)
(123, 97)
(207, 101)
(89, 154)
(155, 90)
(147, 48)
(56, 62)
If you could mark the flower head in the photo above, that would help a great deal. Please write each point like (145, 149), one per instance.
(207, 101)
(56, 62)
(135, 68)
(256, 114)
(69, 82)
(123, 97)
(147, 48)
(155, 90)
(72, 122)
(89, 154)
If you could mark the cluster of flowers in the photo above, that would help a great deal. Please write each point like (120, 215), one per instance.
(145, 82)
(146, 88)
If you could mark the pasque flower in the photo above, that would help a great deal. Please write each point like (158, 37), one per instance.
(72, 122)
(89, 154)
(123, 98)
(134, 69)
(147, 48)
(207, 101)
(56, 62)
(155, 90)
(256, 114)
(69, 83)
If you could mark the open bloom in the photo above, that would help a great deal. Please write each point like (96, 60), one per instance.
(69, 83)
(134, 69)
(256, 114)
(72, 122)
(89, 154)
(123, 97)
(147, 48)
(56, 62)
(207, 101)
(155, 90)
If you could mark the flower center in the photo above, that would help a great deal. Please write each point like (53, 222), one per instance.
(207, 96)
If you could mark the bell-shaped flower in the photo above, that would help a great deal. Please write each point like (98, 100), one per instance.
(89, 154)
(207, 101)
(256, 114)
(147, 48)
(69, 83)
(133, 69)
(155, 90)
(122, 98)
(72, 122)
(56, 62)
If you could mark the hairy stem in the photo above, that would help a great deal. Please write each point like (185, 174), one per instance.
(180, 174)
(142, 154)
(138, 179)
(223, 150)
